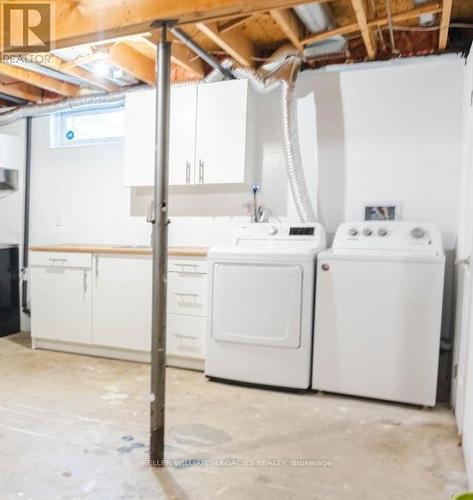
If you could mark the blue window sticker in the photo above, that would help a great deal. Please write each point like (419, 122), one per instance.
(70, 135)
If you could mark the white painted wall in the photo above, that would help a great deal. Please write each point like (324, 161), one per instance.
(384, 132)
(462, 387)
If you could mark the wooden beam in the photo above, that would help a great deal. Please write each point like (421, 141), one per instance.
(56, 63)
(362, 20)
(128, 59)
(184, 57)
(180, 55)
(445, 23)
(234, 43)
(428, 8)
(38, 80)
(23, 91)
(80, 22)
(233, 23)
(432, 8)
(342, 30)
(290, 24)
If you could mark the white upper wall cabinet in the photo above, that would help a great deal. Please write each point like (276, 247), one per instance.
(224, 132)
(182, 135)
(139, 138)
(210, 138)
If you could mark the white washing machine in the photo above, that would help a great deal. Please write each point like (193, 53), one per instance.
(261, 305)
(378, 312)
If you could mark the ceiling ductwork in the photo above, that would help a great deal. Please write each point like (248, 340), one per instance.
(317, 18)
(425, 19)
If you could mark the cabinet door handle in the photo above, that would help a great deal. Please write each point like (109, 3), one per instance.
(201, 171)
(188, 172)
(85, 282)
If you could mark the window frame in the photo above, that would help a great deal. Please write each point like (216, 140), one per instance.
(58, 127)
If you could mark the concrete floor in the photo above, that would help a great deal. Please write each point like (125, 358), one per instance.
(74, 427)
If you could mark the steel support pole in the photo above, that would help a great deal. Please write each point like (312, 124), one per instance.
(160, 244)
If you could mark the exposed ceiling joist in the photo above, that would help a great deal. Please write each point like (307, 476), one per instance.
(445, 23)
(361, 14)
(431, 8)
(290, 24)
(342, 30)
(38, 80)
(234, 43)
(180, 55)
(56, 63)
(428, 8)
(124, 56)
(185, 58)
(22, 91)
(233, 23)
(95, 21)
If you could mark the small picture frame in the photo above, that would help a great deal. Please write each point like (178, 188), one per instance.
(382, 211)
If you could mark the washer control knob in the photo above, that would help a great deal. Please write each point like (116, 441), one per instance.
(367, 231)
(272, 230)
(353, 231)
(418, 233)
(382, 232)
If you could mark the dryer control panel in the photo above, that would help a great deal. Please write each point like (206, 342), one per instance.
(389, 236)
(281, 234)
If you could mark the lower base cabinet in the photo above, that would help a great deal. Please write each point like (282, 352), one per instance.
(122, 301)
(100, 304)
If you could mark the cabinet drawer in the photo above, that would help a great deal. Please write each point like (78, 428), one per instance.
(186, 266)
(187, 294)
(61, 259)
(186, 335)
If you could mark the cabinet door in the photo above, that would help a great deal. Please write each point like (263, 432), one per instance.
(221, 148)
(140, 117)
(182, 135)
(61, 304)
(122, 301)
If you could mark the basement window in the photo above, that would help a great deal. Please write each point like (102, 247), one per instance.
(89, 127)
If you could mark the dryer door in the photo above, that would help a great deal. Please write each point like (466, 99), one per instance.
(256, 303)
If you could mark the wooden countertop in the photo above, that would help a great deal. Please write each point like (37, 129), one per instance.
(120, 249)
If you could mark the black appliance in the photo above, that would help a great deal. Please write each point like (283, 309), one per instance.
(9, 290)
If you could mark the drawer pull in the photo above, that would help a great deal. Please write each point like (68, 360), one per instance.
(185, 266)
(184, 336)
(182, 294)
(54, 261)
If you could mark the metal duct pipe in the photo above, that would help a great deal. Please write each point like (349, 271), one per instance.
(202, 53)
(26, 221)
(66, 104)
(316, 17)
